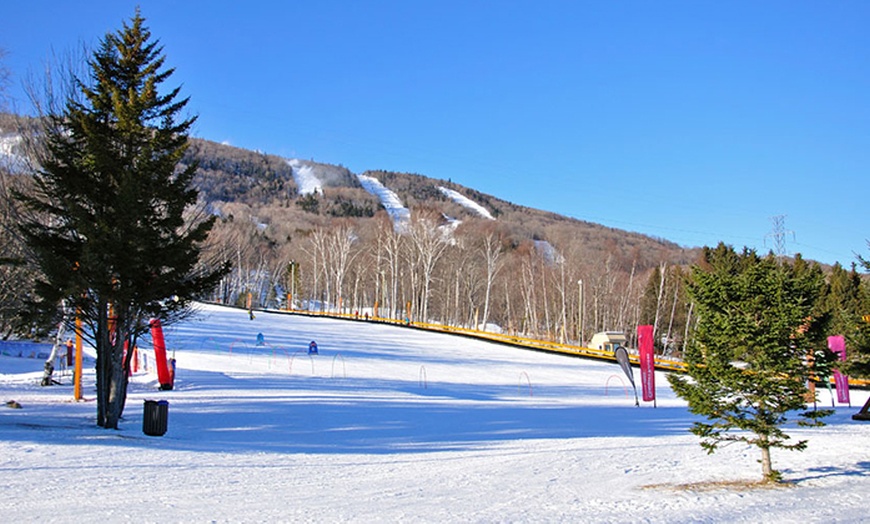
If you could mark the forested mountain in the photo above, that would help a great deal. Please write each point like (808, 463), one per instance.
(404, 245)
(514, 266)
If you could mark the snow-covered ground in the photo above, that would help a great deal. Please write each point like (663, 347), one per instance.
(391, 424)
(306, 181)
(400, 214)
(466, 202)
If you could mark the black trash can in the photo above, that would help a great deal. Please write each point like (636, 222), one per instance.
(154, 420)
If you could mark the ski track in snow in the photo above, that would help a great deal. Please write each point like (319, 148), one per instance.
(393, 424)
(466, 202)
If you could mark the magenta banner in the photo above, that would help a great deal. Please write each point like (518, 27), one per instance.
(647, 362)
(837, 344)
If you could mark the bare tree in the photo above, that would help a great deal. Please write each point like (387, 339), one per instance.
(491, 249)
(391, 243)
(340, 254)
(5, 75)
(429, 243)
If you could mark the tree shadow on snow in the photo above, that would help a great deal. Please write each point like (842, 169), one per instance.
(211, 412)
(860, 469)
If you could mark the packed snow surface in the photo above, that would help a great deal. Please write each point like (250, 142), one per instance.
(390, 424)
(400, 214)
(306, 181)
(466, 202)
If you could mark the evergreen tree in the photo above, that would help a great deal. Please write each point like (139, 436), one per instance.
(110, 228)
(841, 305)
(858, 340)
(746, 359)
(858, 332)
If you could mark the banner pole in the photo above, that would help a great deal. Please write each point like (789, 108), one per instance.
(77, 373)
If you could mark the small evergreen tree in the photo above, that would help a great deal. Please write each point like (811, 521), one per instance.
(108, 228)
(746, 359)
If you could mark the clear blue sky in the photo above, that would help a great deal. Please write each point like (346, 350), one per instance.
(694, 121)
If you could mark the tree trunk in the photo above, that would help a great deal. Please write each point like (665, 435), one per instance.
(766, 470)
(103, 361)
(111, 366)
(117, 387)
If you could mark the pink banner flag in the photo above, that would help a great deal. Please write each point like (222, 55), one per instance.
(647, 362)
(837, 344)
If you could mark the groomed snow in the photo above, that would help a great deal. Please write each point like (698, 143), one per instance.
(306, 181)
(390, 424)
(400, 214)
(466, 202)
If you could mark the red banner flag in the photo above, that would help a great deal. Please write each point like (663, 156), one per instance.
(837, 344)
(160, 355)
(647, 362)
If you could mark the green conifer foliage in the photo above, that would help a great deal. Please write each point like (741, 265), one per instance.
(856, 307)
(746, 359)
(109, 228)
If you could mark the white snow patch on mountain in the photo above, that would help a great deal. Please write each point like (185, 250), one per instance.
(549, 252)
(305, 179)
(400, 214)
(466, 202)
(9, 157)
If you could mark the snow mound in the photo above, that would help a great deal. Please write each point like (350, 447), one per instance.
(466, 202)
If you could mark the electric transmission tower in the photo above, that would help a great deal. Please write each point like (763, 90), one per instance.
(779, 233)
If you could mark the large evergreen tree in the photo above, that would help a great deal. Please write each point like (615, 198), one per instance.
(747, 369)
(110, 225)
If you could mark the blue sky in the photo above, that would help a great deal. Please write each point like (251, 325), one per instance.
(694, 121)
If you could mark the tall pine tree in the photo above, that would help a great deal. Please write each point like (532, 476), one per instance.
(109, 226)
(746, 360)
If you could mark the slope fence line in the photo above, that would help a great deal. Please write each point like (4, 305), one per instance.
(607, 384)
(293, 356)
(528, 381)
(343, 366)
